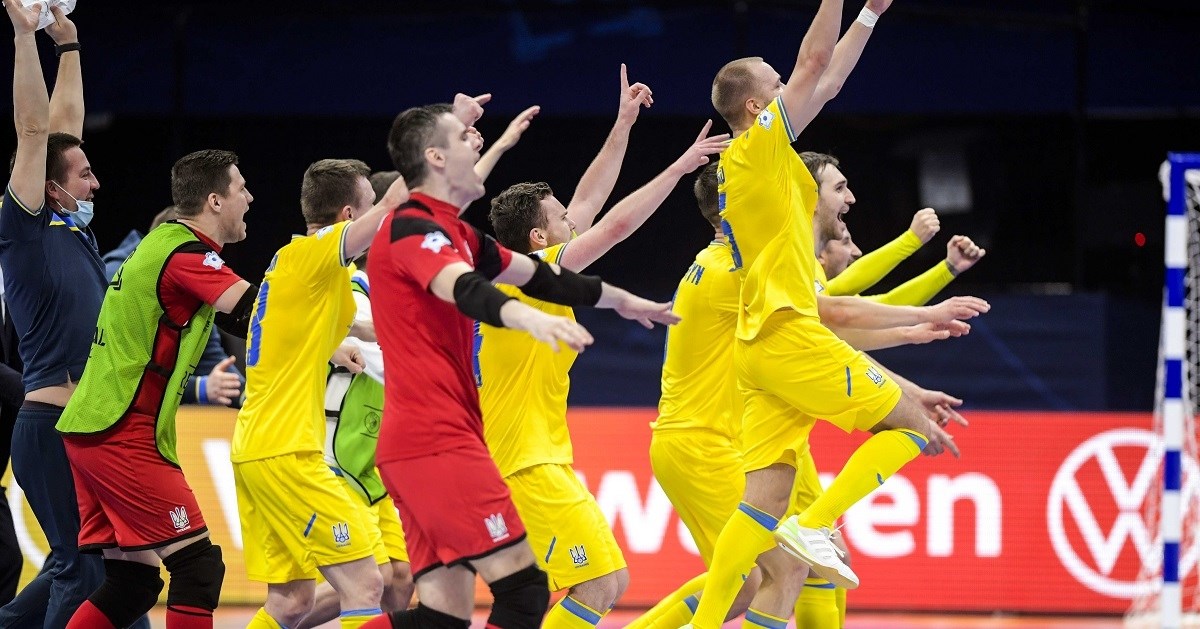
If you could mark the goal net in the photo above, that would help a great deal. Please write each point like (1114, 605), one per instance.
(1168, 595)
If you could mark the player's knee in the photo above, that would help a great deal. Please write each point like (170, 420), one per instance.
(750, 587)
(520, 599)
(196, 575)
(129, 590)
(603, 592)
(422, 617)
(367, 590)
(401, 584)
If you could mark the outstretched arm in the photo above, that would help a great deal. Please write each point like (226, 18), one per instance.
(845, 57)
(361, 232)
(31, 110)
(632, 211)
(856, 312)
(550, 282)
(66, 105)
(597, 181)
(866, 271)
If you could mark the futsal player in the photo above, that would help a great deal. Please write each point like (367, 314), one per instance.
(294, 510)
(432, 275)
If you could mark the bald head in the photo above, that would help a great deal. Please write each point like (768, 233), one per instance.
(742, 80)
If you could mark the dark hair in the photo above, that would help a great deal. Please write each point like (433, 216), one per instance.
(381, 181)
(816, 162)
(705, 190)
(412, 132)
(328, 186)
(57, 145)
(731, 87)
(516, 211)
(197, 175)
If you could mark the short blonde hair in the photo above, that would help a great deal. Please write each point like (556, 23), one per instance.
(734, 84)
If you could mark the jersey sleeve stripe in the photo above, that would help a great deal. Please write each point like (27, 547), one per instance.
(343, 259)
(21, 205)
(787, 122)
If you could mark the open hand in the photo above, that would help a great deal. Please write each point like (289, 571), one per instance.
(223, 386)
(697, 154)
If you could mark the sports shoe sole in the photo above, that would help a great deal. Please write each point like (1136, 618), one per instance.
(829, 573)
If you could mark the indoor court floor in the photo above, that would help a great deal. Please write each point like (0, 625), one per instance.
(237, 617)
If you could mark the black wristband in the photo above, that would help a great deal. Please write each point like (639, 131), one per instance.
(566, 288)
(477, 298)
(60, 49)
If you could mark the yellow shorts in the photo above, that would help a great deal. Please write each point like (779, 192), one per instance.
(297, 515)
(701, 473)
(569, 535)
(387, 519)
(807, 486)
(384, 519)
(796, 370)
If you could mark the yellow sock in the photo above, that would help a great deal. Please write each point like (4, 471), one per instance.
(263, 620)
(746, 535)
(758, 620)
(355, 618)
(675, 610)
(840, 593)
(872, 463)
(816, 608)
(569, 613)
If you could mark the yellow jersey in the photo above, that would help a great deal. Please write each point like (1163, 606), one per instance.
(523, 386)
(767, 198)
(303, 311)
(699, 384)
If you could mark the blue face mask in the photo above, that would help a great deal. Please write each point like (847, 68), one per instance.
(84, 210)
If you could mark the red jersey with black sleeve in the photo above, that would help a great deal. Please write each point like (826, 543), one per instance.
(191, 278)
(431, 403)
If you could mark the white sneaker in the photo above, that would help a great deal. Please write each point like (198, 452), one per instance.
(816, 548)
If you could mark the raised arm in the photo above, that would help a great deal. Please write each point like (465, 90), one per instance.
(31, 110)
(845, 56)
(961, 254)
(361, 232)
(597, 181)
(816, 53)
(631, 212)
(866, 271)
(66, 105)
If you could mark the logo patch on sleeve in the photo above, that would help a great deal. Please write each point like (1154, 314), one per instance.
(434, 241)
(214, 261)
(766, 119)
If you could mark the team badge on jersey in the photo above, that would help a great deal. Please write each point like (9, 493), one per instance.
(211, 259)
(179, 518)
(341, 534)
(496, 526)
(578, 555)
(766, 119)
(434, 241)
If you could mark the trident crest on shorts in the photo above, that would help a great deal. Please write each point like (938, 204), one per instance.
(179, 518)
(496, 526)
(341, 533)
